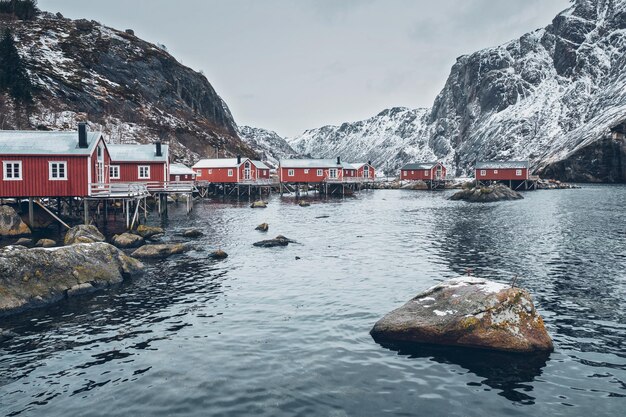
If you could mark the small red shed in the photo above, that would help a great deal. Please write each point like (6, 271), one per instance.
(225, 170)
(425, 171)
(310, 170)
(262, 170)
(52, 164)
(502, 171)
(139, 163)
(181, 173)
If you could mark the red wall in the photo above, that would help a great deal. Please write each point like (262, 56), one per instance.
(371, 170)
(496, 174)
(129, 172)
(421, 174)
(310, 177)
(263, 173)
(35, 174)
(220, 175)
(185, 177)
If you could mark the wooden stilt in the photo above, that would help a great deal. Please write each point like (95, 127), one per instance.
(86, 210)
(31, 212)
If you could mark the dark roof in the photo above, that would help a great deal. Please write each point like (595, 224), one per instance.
(419, 165)
(501, 164)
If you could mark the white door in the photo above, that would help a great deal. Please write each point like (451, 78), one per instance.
(246, 171)
(100, 167)
(332, 173)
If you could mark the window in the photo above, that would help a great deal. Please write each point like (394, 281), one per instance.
(12, 170)
(57, 170)
(518, 172)
(483, 172)
(291, 173)
(144, 172)
(332, 173)
(320, 172)
(199, 172)
(426, 173)
(230, 172)
(412, 172)
(306, 171)
(366, 173)
(114, 172)
(495, 171)
(210, 171)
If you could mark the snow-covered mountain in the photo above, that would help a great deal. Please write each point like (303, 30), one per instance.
(268, 145)
(132, 90)
(551, 96)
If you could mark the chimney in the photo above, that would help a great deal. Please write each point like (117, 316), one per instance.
(82, 135)
(238, 159)
(338, 160)
(159, 152)
(369, 163)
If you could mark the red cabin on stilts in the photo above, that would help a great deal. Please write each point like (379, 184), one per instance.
(140, 163)
(310, 171)
(225, 170)
(424, 171)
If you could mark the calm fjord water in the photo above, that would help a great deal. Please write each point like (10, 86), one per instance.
(264, 333)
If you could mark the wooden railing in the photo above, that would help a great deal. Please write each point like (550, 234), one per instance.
(118, 189)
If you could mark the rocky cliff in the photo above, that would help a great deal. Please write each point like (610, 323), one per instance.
(551, 96)
(133, 90)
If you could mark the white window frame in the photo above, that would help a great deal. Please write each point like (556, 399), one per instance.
(331, 172)
(144, 177)
(199, 172)
(5, 164)
(291, 172)
(230, 173)
(320, 172)
(427, 173)
(518, 172)
(111, 169)
(495, 171)
(210, 171)
(306, 171)
(412, 172)
(366, 172)
(58, 164)
(483, 172)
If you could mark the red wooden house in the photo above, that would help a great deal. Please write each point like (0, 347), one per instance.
(262, 170)
(425, 171)
(365, 171)
(502, 171)
(52, 164)
(225, 170)
(310, 170)
(139, 163)
(181, 172)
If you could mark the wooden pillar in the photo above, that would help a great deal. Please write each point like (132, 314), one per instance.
(31, 212)
(127, 203)
(86, 210)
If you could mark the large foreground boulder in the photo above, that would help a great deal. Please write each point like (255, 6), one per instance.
(83, 234)
(36, 277)
(469, 312)
(497, 192)
(11, 224)
(160, 251)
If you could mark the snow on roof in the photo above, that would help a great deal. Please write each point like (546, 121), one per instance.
(260, 165)
(309, 163)
(502, 164)
(137, 153)
(35, 142)
(361, 164)
(419, 165)
(346, 165)
(219, 163)
(181, 169)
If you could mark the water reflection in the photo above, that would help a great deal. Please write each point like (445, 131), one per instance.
(511, 374)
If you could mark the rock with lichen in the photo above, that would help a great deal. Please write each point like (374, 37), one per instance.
(489, 194)
(468, 312)
(11, 223)
(40, 276)
(160, 251)
(83, 234)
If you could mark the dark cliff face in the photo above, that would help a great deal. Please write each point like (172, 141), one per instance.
(130, 88)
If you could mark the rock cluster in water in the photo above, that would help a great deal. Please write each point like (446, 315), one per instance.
(39, 276)
(489, 194)
(279, 240)
(468, 312)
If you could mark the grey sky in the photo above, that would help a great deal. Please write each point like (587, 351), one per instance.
(294, 65)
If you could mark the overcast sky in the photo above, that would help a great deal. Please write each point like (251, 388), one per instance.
(294, 65)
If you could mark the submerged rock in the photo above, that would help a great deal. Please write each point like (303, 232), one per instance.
(24, 241)
(160, 251)
(11, 224)
(263, 227)
(219, 254)
(497, 192)
(279, 240)
(45, 243)
(149, 232)
(192, 233)
(468, 312)
(127, 240)
(36, 277)
(258, 204)
(83, 234)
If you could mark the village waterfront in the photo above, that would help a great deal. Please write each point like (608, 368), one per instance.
(284, 331)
